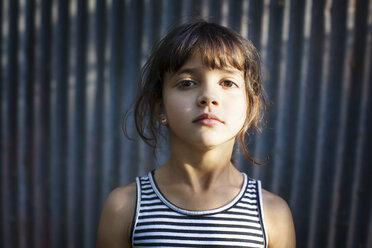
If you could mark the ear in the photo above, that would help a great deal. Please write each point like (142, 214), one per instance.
(159, 108)
(160, 114)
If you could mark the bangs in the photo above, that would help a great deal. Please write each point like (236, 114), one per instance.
(221, 53)
(218, 48)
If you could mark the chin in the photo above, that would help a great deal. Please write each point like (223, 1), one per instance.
(211, 144)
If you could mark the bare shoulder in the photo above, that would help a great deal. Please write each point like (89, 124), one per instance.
(278, 221)
(116, 218)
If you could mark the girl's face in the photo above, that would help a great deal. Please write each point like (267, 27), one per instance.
(204, 107)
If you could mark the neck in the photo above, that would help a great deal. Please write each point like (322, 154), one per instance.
(200, 168)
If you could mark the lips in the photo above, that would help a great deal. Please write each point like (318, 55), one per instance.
(207, 119)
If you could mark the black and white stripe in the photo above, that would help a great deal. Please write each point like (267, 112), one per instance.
(159, 223)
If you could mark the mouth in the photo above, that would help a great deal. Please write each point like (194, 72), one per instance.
(207, 119)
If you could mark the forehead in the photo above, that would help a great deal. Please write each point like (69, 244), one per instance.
(196, 63)
(214, 52)
(195, 66)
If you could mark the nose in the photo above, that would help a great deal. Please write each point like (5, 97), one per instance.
(207, 99)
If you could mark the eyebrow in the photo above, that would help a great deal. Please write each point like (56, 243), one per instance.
(197, 69)
(187, 71)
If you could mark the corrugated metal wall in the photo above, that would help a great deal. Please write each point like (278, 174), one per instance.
(69, 70)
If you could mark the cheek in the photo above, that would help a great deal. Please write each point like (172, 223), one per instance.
(238, 116)
(176, 107)
(238, 104)
(238, 111)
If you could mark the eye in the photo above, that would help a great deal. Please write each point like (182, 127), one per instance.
(185, 84)
(228, 84)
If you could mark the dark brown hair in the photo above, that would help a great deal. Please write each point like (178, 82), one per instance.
(219, 47)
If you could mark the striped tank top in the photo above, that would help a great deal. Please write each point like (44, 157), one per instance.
(159, 223)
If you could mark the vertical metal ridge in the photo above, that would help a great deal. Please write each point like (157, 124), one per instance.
(10, 132)
(25, 121)
(77, 97)
(73, 219)
(273, 46)
(2, 116)
(59, 124)
(321, 129)
(310, 113)
(357, 187)
(285, 141)
(261, 43)
(282, 94)
(110, 98)
(93, 125)
(340, 150)
(353, 113)
(108, 54)
(296, 180)
(42, 128)
(361, 193)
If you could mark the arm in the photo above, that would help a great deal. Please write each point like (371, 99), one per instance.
(278, 221)
(116, 218)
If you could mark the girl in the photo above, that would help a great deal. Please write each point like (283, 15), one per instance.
(201, 83)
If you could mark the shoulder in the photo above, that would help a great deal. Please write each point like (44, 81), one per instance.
(121, 197)
(278, 221)
(116, 218)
